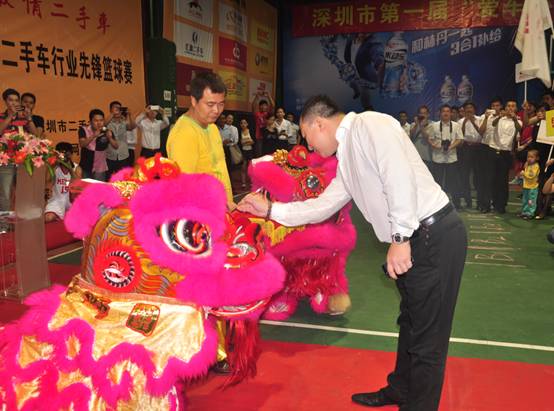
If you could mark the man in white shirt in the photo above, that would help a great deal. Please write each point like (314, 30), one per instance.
(468, 152)
(487, 155)
(403, 118)
(445, 138)
(419, 134)
(380, 169)
(294, 137)
(506, 132)
(282, 125)
(149, 134)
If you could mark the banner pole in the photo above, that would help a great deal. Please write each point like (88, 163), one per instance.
(525, 91)
(549, 156)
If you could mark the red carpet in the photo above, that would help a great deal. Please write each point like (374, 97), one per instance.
(298, 377)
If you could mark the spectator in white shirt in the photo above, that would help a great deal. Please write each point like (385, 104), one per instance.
(283, 128)
(506, 132)
(149, 133)
(468, 152)
(445, 138)
(380, 169)
(294, 137)
(403, 118)
(487, 156)
(420, 131)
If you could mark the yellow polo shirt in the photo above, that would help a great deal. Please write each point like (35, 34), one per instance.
(199, 150)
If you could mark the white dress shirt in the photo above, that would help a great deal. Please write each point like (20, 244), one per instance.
(489, 131)
(151, 130)
(407, 127)
(285, 127)
(504, 134)
(294, 131)
(229, 135)
(471, 134)
(380, 169)
(445, 131)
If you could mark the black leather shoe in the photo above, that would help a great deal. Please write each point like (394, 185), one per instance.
(221, 367)
(373, 399)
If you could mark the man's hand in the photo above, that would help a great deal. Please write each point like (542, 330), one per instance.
(399, 259)
(254, 203)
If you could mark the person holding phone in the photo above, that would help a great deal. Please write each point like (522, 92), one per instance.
(29, 101)
(16, 117)
(94, 139)
(119, 123)
(149, 131)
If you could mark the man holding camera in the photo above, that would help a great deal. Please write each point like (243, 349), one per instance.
(420, 131)
(94, 139)
(445, 138)
(119, 123)
(16, 115)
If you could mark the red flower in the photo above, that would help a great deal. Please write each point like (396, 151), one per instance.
(52, 160)
(20, 157)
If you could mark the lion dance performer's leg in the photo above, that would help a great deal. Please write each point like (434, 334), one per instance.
(221, 326)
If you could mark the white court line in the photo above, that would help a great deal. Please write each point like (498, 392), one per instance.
(497, 264)
(395, 335)
(67, 252)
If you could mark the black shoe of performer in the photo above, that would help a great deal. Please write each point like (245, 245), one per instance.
(373, 399)
(221, 367)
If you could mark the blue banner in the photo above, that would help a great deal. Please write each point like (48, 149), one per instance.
(398, 71)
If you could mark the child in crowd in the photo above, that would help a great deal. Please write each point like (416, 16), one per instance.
(530, 175)
(58, 190)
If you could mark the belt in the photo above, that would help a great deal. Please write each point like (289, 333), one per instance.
(434, 218)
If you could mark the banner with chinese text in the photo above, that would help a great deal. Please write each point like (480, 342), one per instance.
(234, 38)
(378, 16)
(394, 71)
(74, 56)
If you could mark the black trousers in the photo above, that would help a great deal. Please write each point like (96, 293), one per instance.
(484, 171)
(447, 176)
(115, 165)
(468, 157)
(147, 152)
(503, 161)
(428, 293)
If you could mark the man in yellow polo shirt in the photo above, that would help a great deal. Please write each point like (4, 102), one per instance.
(194, 142)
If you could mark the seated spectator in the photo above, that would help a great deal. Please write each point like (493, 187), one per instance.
(270, 136)
(94, 140)
(149, 134)
(15, 115)
(119, 123)
(29, 100)
(247, 144)
(58, 195)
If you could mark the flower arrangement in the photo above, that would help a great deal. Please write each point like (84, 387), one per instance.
(23, 149)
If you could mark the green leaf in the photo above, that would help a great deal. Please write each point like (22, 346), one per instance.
(51, 171)
(28, 165)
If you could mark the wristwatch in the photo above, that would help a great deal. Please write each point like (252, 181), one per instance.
(398, 238)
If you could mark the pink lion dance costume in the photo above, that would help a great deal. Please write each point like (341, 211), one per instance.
(314, 256)
(161, 258)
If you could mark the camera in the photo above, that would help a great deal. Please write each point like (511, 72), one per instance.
(123, 110)
(445, 144)
(154, 108)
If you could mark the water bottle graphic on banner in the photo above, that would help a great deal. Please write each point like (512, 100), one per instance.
(448, 91)
(465, 90)
(395, 82)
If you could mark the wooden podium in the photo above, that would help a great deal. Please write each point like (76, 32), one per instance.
(24, 267)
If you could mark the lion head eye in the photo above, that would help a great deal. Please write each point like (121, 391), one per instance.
(184, 236)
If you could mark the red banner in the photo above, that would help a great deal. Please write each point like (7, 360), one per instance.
(359, 16)
(232, 53)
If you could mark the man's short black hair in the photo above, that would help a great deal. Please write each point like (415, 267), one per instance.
(320, 106)
(95, 112)
(469, 103)
(548, 93)
(113, 103)
(445, 106)
(402, 112)
(496, 100)
(204, 80)
(9, 92)
(27, 94)
(262, 102)
(64, 147)
(424, 107)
